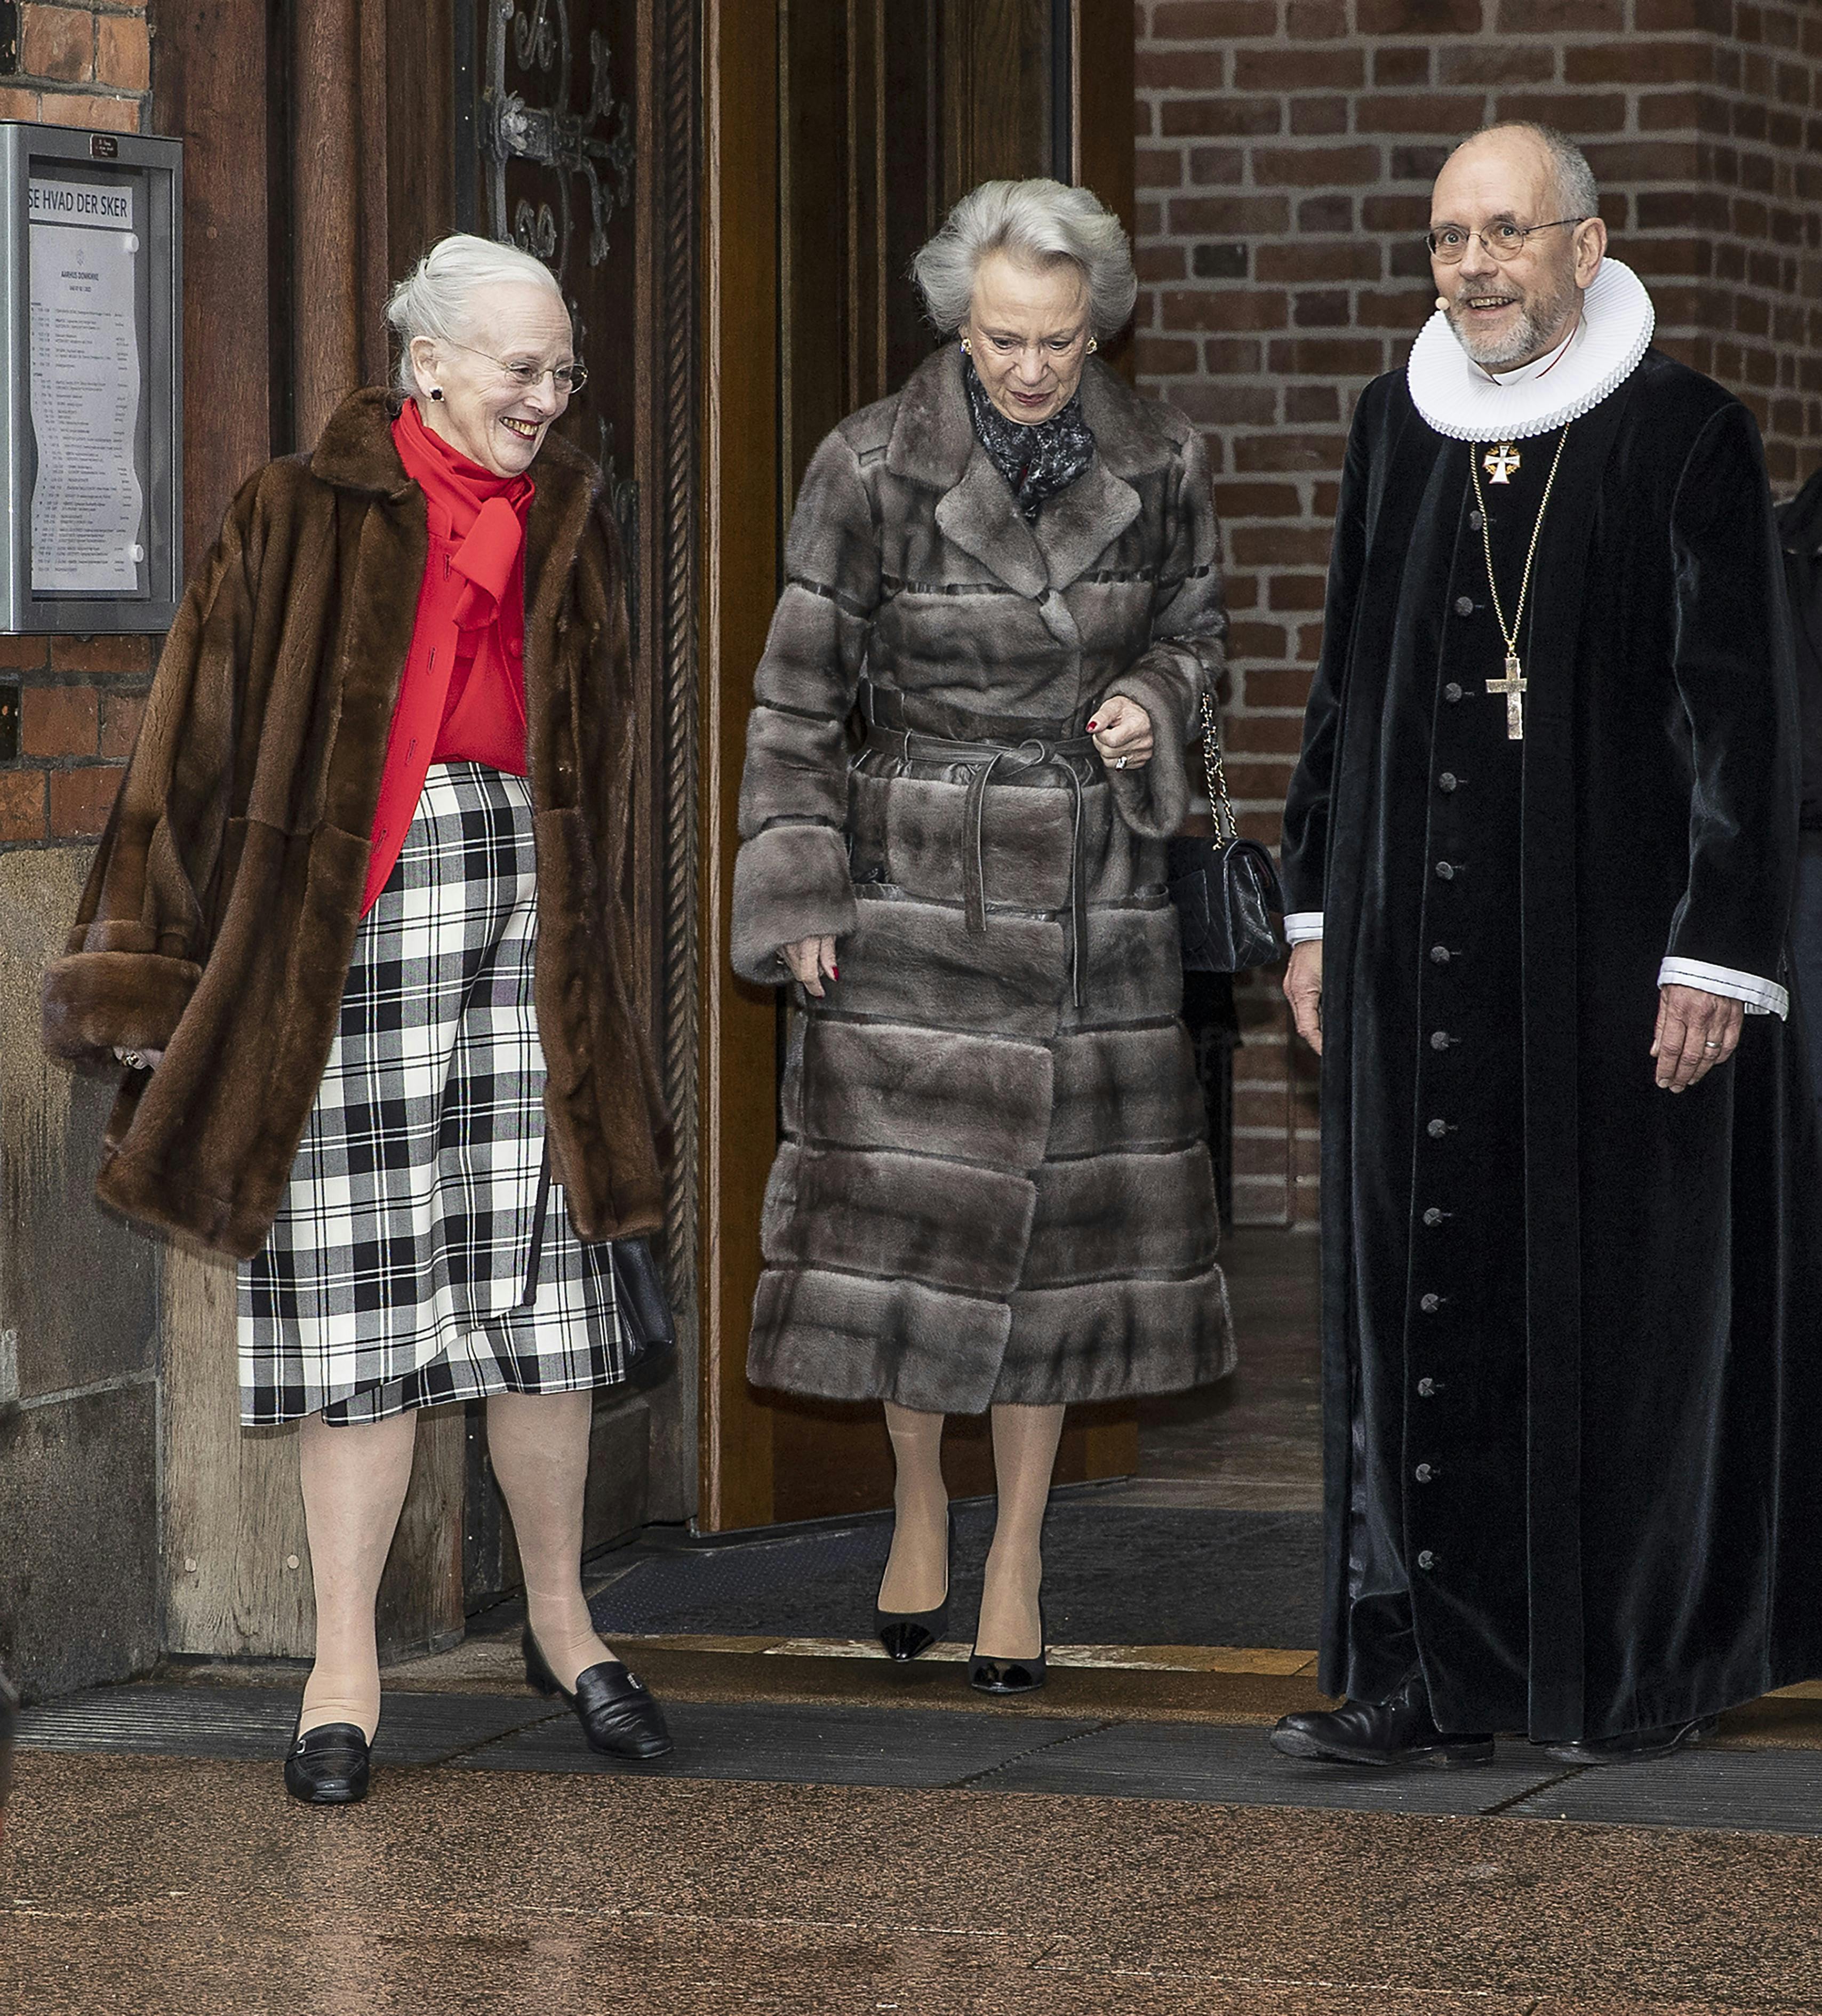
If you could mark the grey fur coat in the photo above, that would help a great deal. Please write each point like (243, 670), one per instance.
(995, 1183)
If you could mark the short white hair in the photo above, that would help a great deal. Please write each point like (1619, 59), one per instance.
(436, 298)
(1037, 223)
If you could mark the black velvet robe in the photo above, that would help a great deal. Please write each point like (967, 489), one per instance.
(1572, 1324)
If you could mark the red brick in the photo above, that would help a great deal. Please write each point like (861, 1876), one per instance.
(1420, 17)
(1228, 216)
(1328, 357)
(102, 654)
(1281, 545)
(1272, 687)
(1399, 65)
(120, 716)
(22, 805)
(1306, 403)
(1163, 356)
(123, 53)
(15, 104)
(1315, 20)
(1341, 259)
(1315, 167)
(1298, 69)
(1259, 500)
(1181, 70)
(1212, 20)
(59, 721)
(99, 115)
(1222, 308)
(1313, 116)
(1578, 113)
(1633, 62)
(81, 799)
(1409, 214)
(1670, 111)
(58, 43)
(1180, 117)
(1495, 62)
(1217, 164)
(1556, 17)
(20, 654)
(1295, 591)
(1260, 453)
(1159, 167)
(1434, 112)
(1255, 641)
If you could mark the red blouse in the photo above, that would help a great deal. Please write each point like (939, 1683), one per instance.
(463, 692)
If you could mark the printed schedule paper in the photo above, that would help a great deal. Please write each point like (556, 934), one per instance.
(87, 506)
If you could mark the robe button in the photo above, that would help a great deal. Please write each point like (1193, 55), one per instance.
(1426, 1389)
(1440, 954)
(1464, 605)
(1436, 1129)
(1448, 781)
(1430, 1304)
(1440, 1039)
(1426, 1560)
(1451, 692)
(1433, 1216)
(1446, 871)
(1423, 1472)
(1475, 521)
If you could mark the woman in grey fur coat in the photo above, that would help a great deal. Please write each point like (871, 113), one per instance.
(994, 1189)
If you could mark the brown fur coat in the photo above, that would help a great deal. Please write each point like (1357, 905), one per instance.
(219, 918)
(986, 1193)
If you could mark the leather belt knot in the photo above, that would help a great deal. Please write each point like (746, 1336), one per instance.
(1004, 762)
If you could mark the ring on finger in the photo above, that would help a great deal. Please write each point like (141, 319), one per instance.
(1711, 1046)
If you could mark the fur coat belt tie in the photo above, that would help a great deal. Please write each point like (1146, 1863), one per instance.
(995, 762)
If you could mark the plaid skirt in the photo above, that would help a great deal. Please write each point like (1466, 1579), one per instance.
(395, 1275)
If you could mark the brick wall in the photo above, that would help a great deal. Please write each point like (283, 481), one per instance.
(1285, 153)
(82, 697)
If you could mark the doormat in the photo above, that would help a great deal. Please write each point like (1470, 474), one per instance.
(1112, 1575)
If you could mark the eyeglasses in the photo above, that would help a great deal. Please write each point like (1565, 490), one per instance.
(567, 378)
(1503, 242)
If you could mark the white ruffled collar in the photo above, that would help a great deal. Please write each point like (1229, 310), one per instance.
(1460, 399)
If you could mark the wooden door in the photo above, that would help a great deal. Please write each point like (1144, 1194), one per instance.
(838, 133)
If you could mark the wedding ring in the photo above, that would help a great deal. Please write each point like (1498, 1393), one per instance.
(1711, 1046)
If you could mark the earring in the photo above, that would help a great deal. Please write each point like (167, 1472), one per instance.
(435, 392)
(1093, 344)
(967, 347)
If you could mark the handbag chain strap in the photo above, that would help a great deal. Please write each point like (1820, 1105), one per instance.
(1219, 801)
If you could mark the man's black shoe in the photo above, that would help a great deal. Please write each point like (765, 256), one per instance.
(1398, 1731)
(1636, 1746)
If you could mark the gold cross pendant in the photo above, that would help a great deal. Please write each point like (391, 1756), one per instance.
(1513, 686)
(1501, 462)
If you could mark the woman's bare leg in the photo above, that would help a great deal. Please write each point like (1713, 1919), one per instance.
(1024, 1455)
(539, 1445)
(916, 1577)
(355, 1480)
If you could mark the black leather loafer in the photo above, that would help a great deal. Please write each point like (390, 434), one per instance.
(329, 1766)
(1636, 1746)
(1397, 1731)
(1011, 1676)
(908, 1634)
(619, 1718)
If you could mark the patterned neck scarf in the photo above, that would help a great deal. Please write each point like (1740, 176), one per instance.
(1038, 461)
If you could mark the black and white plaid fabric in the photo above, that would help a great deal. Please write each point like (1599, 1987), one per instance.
(394, 1270)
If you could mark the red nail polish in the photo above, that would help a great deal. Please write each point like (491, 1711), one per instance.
(834, 973)
(1093, 726)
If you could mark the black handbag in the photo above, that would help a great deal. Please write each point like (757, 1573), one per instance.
(645, 1320)
(1226, 889)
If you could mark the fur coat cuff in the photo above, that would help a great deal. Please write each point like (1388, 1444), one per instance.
(94, 1001)
(790, 882)
(1167, 683)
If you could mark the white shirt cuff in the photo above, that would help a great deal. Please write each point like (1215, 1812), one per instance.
(1301, 926)
(1761, 997)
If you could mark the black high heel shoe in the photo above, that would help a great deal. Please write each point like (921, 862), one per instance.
(619, 1718)
(908, 1634)
(329, 1766)
(1011, 1676)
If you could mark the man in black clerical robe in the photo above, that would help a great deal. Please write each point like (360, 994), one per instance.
(1539, 857)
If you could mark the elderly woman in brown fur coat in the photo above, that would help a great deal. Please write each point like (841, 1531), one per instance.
(995, 1189)
(354, 930)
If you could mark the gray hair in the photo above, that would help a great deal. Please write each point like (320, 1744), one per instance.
(435, 298)
(1037, 222)
(1576, 187)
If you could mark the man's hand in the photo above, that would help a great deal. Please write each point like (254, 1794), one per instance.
(1303, 990)
(1696, 1031)
(1122, 729)
(809, 959)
